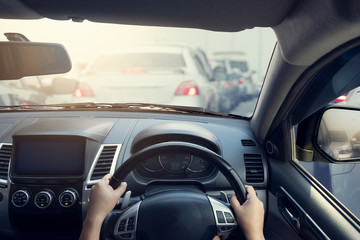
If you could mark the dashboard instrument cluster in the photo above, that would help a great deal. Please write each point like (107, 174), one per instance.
(175, 165)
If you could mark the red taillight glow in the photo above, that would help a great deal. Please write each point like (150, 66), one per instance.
(226, 85)
(340, 99)
(79, 93)
(187, 88)
(134, 70)
(240, 81)
(83, 90)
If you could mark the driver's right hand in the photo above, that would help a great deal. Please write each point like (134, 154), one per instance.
(250, 215)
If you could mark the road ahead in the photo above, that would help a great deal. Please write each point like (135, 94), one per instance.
(245, 108)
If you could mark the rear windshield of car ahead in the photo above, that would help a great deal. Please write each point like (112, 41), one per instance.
(143, 60)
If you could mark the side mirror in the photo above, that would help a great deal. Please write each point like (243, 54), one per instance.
(331, 135)
(20, 59)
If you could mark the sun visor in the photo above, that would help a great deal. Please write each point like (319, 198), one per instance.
(16, 9)
(222, 15)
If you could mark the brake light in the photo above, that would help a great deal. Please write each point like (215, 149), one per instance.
(340, 99)
(83, 90)
(226, 85)
(134, 70)
(187, 88)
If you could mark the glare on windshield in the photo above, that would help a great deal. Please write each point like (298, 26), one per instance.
(222, 72)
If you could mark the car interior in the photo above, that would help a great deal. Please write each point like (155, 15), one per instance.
(183, 164)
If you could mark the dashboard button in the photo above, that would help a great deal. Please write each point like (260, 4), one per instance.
(20, 198)
(68, 198)
(43, 199)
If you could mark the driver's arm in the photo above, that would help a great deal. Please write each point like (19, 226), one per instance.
(250, 215)
(103, 199)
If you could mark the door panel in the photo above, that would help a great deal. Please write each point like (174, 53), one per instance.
(299, 196)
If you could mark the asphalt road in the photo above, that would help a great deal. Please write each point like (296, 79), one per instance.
(245, 108)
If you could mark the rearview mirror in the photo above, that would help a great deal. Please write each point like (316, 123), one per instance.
(339, 134)
(20, 59)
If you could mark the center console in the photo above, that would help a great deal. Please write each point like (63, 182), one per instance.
(47, 174)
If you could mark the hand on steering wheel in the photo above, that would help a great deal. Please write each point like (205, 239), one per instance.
(175, 214)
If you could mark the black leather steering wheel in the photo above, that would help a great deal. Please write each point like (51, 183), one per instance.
(175, 214)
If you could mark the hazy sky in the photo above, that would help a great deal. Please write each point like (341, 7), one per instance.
(84, 40)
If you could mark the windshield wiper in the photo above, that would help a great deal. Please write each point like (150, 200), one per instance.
(122, 107)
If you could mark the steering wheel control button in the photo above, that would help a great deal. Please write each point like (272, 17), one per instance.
(225, 229)
(68, 198)
(229, 217)
(43, 199)
(20, 198)
(123, 222)
(125, 227)
(225, 221)
(220, 217)
(126, 236)
(130, 227)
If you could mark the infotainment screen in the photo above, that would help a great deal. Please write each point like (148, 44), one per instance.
(48, 156)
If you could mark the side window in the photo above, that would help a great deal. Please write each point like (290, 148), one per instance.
(341, 179)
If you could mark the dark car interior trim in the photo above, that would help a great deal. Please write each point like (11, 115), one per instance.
(231, 15)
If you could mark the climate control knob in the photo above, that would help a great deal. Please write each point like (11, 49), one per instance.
(20, 198)
(43, 199)
(68, 198)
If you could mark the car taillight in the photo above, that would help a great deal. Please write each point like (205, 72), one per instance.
(340, 99)
(134, 70)
(187, 88)
(240, 81)
(226, 85)
(83, 90)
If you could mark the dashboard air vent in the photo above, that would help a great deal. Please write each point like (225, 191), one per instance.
(104, 162)
(248, 142)
(254, 168)
(5, 155)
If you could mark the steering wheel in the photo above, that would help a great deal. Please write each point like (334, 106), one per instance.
(174, 213)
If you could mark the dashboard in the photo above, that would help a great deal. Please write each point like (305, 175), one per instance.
(50, 160)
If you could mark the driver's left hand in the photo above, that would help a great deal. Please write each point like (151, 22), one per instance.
(103, 199)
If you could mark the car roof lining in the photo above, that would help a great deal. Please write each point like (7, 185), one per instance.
(314, 28)
(306, 30)
(221, 15)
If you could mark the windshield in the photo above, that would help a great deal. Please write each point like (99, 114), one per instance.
(124, 61)
(112, 63)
